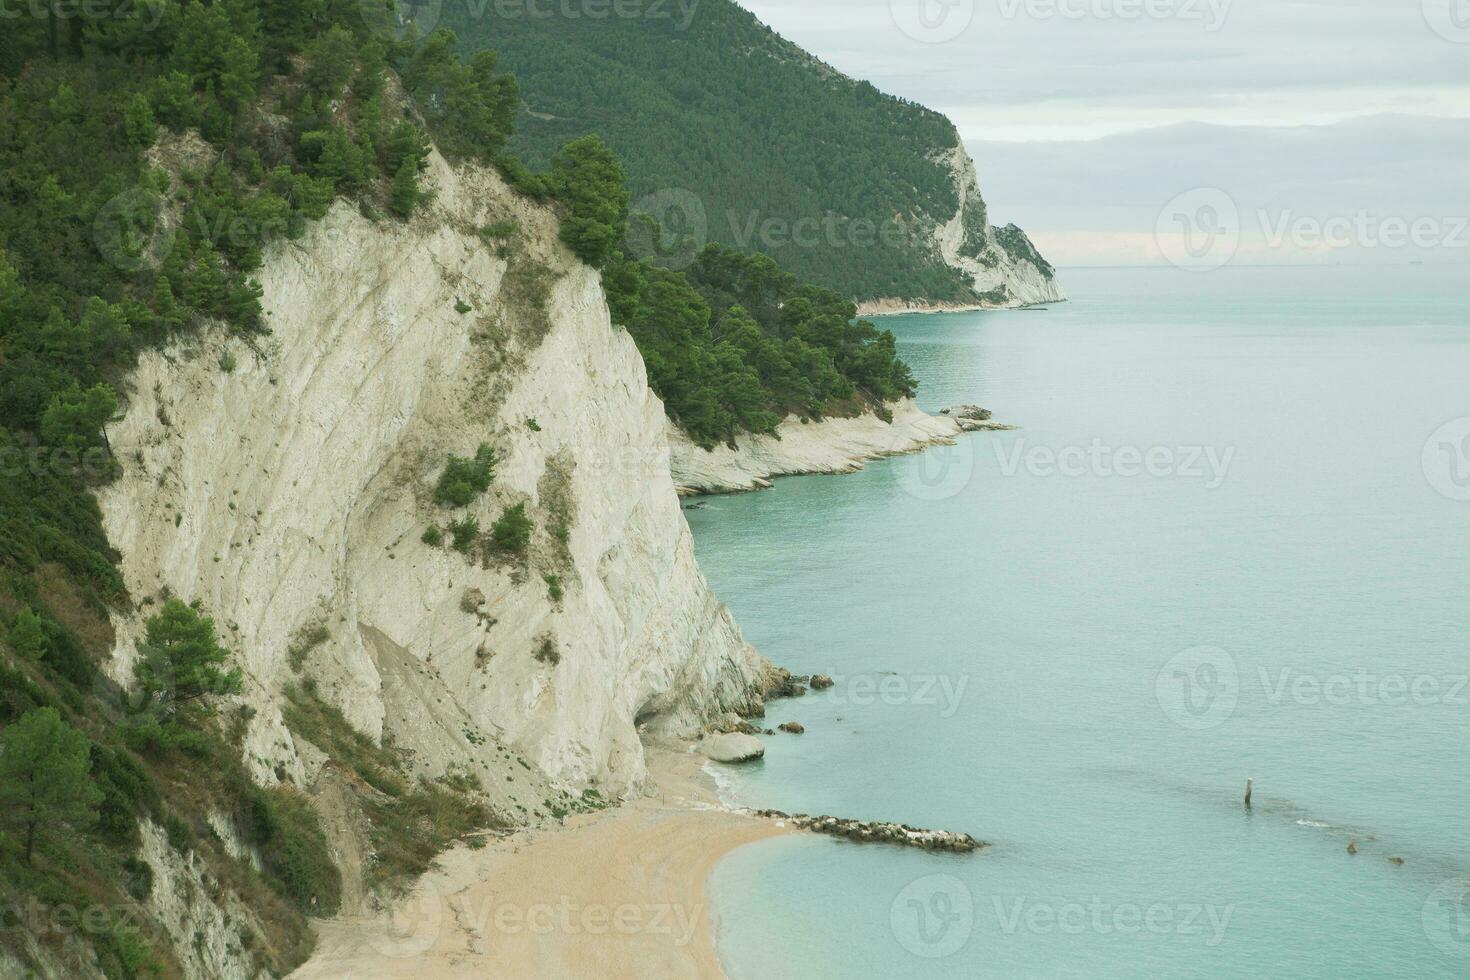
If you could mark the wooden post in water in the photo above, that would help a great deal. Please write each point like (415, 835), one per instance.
(1248, 782)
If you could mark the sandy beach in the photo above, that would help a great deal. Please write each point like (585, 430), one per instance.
(618, 893)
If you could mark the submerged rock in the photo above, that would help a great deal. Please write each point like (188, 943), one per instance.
(794, 727)
(820, 682)
(732, 747)
(790, 687)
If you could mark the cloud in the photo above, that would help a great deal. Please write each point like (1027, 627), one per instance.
(1025, 69)
(1300, 194)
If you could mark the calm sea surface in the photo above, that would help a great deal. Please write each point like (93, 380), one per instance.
(1230, 539)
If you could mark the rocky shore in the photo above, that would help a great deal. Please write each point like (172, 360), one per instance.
(876, 832)
(832, 445)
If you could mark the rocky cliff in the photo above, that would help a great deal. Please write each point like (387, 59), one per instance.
(832, 445)
(287, 486)
(1000, 265)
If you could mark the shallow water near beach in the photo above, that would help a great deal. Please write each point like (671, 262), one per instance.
(1229, 540)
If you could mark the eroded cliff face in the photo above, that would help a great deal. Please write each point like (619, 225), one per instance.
(1001, 265)
(287, 486)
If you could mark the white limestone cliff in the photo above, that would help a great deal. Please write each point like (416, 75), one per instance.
(1001, 265)
(287, 486)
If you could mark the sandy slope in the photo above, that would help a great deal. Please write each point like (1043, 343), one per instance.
(622, 896)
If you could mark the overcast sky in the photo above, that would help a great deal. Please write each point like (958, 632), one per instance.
(1084, 116)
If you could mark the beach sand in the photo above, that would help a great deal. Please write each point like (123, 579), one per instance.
(618, 893)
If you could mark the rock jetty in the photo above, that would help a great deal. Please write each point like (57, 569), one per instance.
(875, 832)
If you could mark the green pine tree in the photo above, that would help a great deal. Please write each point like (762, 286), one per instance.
(45, 782)
(27, 636)
(591, 182)
(138, 121)
(404, 194)
(180, 658)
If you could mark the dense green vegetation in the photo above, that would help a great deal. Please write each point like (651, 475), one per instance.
(734, 344)
(777, 152)
(149, 154)
(82, 762)
(210, 131)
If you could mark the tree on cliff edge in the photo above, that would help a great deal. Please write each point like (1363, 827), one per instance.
(592, 185)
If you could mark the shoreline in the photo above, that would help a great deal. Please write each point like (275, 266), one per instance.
(832, 446)
(874, 310)
(618, 893)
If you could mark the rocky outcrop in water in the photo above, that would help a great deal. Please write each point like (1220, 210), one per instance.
(876, 832)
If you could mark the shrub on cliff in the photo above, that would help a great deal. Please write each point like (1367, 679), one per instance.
(465, 479)
(511, 533)
(463, 532)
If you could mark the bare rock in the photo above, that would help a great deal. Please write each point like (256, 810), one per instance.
(790, 687)
(973, 413)
(732, 747)
(794, 727)
(820, 682)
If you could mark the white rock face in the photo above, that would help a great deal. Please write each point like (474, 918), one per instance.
(833, 445)
(732, 747)
(204, 922)
(292, 492)
(1025, 282)
(987, 264)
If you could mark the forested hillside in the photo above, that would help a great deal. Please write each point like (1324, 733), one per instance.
(713, 112)
(152, 156)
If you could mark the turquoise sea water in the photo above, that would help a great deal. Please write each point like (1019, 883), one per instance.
(1084, 667)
